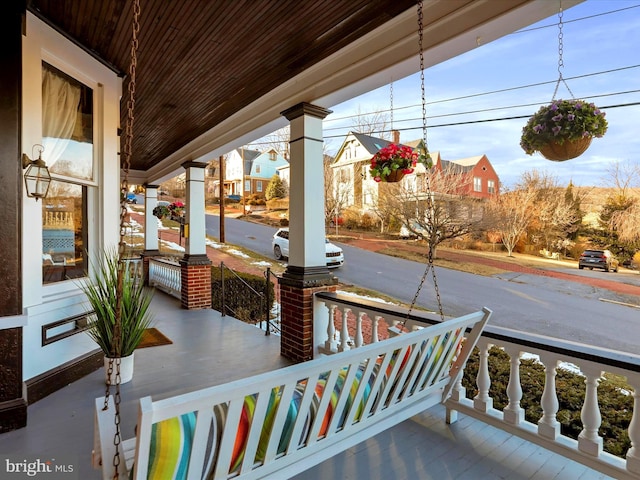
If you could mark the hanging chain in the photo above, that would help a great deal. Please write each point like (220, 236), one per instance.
(124, 189)
(560, 52)
(427, 183)
(391, 101)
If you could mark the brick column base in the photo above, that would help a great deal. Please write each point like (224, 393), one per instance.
(297, 288)
(146, 255)
(196, 281)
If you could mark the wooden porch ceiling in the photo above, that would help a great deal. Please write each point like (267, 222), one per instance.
(202, 61)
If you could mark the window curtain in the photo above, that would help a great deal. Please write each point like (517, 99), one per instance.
(60, 102)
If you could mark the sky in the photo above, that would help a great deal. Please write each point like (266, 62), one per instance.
(515, 76)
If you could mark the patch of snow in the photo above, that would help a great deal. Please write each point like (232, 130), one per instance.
(212, 244)
(570, 367)
(365, 297)
(173, 246)
(262, 264)
(237, 253)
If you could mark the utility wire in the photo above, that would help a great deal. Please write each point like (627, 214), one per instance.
(483, 110)
(554, 25)
(492, 92)
(470, 122)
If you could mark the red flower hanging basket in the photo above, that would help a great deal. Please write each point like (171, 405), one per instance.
(395, 176)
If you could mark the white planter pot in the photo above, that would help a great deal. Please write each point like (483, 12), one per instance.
(126, 370)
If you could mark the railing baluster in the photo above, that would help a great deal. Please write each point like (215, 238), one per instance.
(330, 342)
(548, 425)
(482, 401)
(513, 413)
(165, 276)
(358, 337)
(589, 441)
(344, 331)
(633, 454)
(374, 329)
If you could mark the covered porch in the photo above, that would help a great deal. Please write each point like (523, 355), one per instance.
(209, 349)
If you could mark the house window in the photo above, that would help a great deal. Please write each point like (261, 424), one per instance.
(258, 185)
(491, 186)
(247, 185)
(477, 184)
(67, 126)
(272, 156)
(64, 232)
(257, 168)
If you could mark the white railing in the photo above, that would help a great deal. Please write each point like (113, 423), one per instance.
(166, 275)
(342, 323)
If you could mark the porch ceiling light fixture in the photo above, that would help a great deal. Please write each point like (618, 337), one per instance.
(36, 177)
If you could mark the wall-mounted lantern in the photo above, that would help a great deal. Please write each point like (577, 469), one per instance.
(36, 177)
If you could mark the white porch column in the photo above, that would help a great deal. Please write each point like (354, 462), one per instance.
(194, 213)
(306, 197)
(195, 265)
(307, 271)
(150, 229)
(150, 221)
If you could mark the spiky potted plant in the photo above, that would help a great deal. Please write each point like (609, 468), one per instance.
(135, 316)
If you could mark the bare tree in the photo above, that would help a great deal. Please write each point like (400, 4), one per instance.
(622, 209)
(278, 141)
(626, 223)
(623, 176)
(336, 192)
(510, 214)
(440, 212)
(554, 216)
(372, 123)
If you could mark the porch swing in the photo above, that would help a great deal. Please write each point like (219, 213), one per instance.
(239, 430)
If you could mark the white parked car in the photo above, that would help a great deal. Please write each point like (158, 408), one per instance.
(416, 231)
(280, 244)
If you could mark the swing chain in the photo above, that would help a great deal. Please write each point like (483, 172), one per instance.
(391, 101)
(124, 188)
(427, 183)
(560, 52)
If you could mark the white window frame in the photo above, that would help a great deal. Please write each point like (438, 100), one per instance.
(477, 184)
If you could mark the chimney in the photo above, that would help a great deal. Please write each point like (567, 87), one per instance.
(396, 136)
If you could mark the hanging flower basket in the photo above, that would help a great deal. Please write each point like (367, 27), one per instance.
(396, 175)
(174, 211)
(569, 149)
(563, 130)
(393, 162)
(161, 211)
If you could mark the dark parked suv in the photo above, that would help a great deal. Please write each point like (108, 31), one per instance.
(598, 259)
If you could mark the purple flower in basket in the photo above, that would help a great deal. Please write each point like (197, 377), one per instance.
(562, 121)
